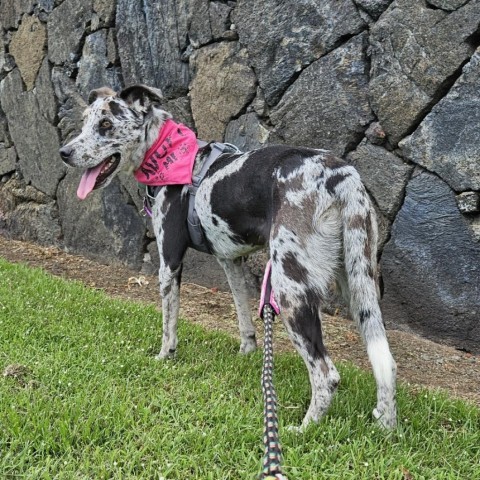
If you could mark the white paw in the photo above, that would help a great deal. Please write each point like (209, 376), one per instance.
(295, 429)
(384, 420)
(165, 354)
(248, 346)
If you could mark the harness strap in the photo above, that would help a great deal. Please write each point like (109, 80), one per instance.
(195, 230)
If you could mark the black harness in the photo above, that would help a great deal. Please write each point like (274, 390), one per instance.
(197, 235)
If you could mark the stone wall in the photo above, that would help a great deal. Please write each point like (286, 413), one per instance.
(390, 85)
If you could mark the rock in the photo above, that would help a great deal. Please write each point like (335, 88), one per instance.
(45, 5)
(104, 226)
(247, 133)
(222, 76)
(66, 26)
(384, 174)
(12, 10)
(475, 226)
(27, 47)
(4, 136)
(200, 31)
(219, 19)
(44, 93)
(413, 66)
(431, 267)
(282, 38)
(92, 68)
(112, 50)
(28, 214)
(447, 142)
(373, 7)
(468, 202)
(35, 139)
(180, 109)
(8, 159)
(203, 269)
(105, 11)
(151, 38)
(447, 4)
(327, 107)
(375, 134)
(71, 107)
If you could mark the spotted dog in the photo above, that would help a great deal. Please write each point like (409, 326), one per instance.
(309, 207)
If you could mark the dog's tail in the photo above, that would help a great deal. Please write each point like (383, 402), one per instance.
(360, 239)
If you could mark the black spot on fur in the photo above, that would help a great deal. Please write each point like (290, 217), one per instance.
(334, 180)
(174, 227)
(306, 323)
(215, 221)
(116, 109)
(364, 315)
(333, 162)
(274, 256)
(294, 269)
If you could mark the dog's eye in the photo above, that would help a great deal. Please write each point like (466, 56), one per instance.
(105, 124)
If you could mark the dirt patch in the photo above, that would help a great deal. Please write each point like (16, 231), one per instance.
(421, 363)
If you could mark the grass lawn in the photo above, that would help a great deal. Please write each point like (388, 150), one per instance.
(94, 404)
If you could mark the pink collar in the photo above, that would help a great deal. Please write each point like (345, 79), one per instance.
(169, 161)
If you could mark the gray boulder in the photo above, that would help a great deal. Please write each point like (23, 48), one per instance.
(373, 7)
(8, 159)
(447, 142)
(152, 36)
(12, 10)
(282, 38)
(223, 76)
(35, 139)
(384, 174)
(27, 48)
(105, 225)
(412, 66)
(431, 267)
(94, 70)
(28, 214)
(327, 107)
(247, 132)
(447, 4)
(66, 27)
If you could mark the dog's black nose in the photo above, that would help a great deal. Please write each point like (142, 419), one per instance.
(66, 153)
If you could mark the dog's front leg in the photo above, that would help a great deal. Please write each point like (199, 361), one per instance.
(170, 293)
(236, 280)
(170, 226)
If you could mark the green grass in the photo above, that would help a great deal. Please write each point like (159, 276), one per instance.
(98, 406)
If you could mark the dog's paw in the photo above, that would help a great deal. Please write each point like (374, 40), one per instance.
(387, 421)
(295, 429)
(248, 346)
(165, 354)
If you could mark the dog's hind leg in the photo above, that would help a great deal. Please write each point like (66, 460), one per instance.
(303, 324)
(302, 268)
(360, 251)
(236, 279)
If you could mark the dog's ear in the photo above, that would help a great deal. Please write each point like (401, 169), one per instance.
(100, 93)
(141, 97)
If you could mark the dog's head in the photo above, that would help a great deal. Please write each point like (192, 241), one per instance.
(117, 131)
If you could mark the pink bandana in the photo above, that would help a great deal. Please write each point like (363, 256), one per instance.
(169, 161)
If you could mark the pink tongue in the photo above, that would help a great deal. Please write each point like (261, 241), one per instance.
(87, 181)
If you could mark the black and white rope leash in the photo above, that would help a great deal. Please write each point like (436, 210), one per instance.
(273, 452)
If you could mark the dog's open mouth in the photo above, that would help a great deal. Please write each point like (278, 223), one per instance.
(95, 177)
